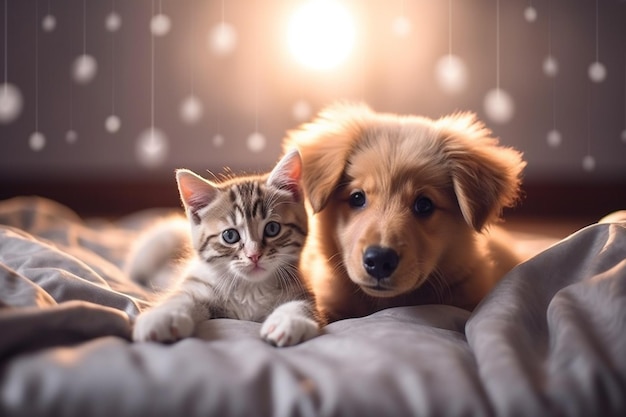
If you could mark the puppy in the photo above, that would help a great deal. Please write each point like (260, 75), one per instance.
(401, 207)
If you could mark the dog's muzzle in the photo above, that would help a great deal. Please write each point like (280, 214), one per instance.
(380, 262)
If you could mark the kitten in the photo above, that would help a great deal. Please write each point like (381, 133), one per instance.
(247, 234)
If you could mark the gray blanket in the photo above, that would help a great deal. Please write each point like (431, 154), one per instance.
(550, 339)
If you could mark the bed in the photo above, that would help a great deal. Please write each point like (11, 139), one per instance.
(550, 339)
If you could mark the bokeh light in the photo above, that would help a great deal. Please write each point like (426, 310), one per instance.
(160, 24)
(321, 34)
(11, 103)
(530, 14)
(84, 69)
(113, 22)
(191, 109)
(152, 148)
(589, 163)
(499, 106)
(554, 138)
(112, 123)
(301, 111)
(218, 141)
(451, 74)
(37, 141)
(401, 26)
(48, 23)
(222, 39)
(71, 136)
(256, 142)
(550, 66)
(597, 72)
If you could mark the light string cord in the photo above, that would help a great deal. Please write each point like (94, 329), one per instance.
(113, 64)
(152, 80)
(36, 66)
(551, 57)
(84, 27)
(498, 46)
(450, 31)
(256, 70)
(6, 47)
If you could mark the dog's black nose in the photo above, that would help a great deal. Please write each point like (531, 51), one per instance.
(380, 262)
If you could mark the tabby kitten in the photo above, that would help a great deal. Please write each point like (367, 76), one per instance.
(247, 234)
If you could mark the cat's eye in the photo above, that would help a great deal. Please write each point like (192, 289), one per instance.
(272, 229)
(230, 236)
(423, 206)
(357, 199)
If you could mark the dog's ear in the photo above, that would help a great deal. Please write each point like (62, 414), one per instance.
(486, 176)
(325, 145)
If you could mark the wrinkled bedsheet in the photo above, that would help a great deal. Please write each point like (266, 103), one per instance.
(550, 339)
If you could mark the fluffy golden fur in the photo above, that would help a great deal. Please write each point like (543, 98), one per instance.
(401, 209)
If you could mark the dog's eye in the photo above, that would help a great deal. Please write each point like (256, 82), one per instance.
(423, 206)
(357, 199)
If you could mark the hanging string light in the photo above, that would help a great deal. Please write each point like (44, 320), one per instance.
(11, 101)
(498, 103)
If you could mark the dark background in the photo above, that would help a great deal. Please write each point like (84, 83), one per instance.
(257, 86)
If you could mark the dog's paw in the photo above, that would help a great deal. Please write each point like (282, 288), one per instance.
(163, 325)
(284, 329)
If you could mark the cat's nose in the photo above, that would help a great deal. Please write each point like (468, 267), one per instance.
(380, 262)
(252, 251)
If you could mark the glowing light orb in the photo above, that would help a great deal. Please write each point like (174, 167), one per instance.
(624, 135)
(597, 72)
(554, 138)
(589, 163)
(37, 141)
(112, 123)
(218, 141)
(451, 74)
(71, 136)
(256, 142)
(160, 24)
(550, 66)
(530, 14)
(499, 105)
(191, 110)
(401, 26)
(48, 23)
(11, 103)
(301, 111)
(152, 148)
(113, 22)
(321, 34)
(222, 39)
(84, 69)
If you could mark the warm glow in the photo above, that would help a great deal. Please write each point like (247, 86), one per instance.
(321, 34)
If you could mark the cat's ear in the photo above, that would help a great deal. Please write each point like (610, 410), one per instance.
(195, 191)
(287, 173)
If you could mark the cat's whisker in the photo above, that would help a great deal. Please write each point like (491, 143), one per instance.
(284, 279)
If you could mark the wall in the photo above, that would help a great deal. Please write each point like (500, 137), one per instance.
(258, 86)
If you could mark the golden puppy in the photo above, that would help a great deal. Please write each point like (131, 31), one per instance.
(400, 208)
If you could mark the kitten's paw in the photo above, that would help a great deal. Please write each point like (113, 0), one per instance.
(283, 329)
(163, 325)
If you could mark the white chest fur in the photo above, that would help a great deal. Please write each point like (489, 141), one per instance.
(233, 297)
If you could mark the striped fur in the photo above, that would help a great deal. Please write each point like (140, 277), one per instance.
(247, 234)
